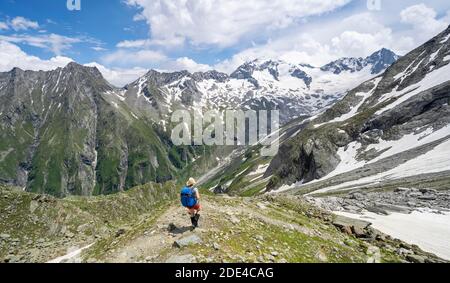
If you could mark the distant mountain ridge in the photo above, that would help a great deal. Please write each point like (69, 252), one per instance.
(294, 89)
(378, 61)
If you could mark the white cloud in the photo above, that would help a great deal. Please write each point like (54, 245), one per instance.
(144, 43)
(3, 26)
(133, 43)
(185, 63)
(12, 56)
(224, 22)
(358, 35)
(424, 20)
(21, 23)
(137, 58)
(117, 76)
(53, 42)
(98, 48)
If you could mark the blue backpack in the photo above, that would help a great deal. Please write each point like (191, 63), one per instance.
(188, 197)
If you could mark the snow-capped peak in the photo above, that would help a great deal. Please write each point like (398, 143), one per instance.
(378, 62)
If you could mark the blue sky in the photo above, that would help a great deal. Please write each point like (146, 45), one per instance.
(124, 38)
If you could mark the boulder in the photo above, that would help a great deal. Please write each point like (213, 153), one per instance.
(401, 190)
(342, 221)
(234, 220)
(358, 232)
(120, 232)
(428, 191)
(5, 236)
(374, 254)
(186, 241)
(428, 197)
(415, 259)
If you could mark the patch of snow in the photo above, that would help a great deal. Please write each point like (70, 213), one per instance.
(434, 161)
(447, 58)
(432, 79)
(141, 83)
(134, 116)
(434, 55)
(445, 39)
(285, 188)
(353, 110)
(348, 162)
(429, 231)
(406, 72)
(57, 82)
(257, 178)
(260, 170)
(70, 255)
(408, 142)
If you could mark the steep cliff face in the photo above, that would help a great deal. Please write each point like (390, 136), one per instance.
(400, 119)
(64, 132)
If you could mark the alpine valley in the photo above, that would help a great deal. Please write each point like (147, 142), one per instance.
(88, 172)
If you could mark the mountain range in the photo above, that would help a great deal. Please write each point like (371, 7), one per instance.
(70, 132)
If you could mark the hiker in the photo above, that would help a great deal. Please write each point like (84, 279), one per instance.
(190, 198)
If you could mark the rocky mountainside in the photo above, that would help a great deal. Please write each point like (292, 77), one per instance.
(65, 132)
(38, 228)
(296, 90)
(143, 225)
(378, 62)
(389, 130)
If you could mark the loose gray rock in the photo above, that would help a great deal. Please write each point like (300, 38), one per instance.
(120, 232)
(5, 236)
(415, 259)
(234, 220)
(342, 221)
(181, 259)
(186, 241)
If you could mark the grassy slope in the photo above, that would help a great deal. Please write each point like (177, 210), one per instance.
(53, 225)
(294, 230)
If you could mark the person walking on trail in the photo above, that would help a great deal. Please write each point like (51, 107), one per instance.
(190, 198)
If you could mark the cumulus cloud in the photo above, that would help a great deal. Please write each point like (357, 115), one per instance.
(185, 63)
(150, 59)
(424, 20)
(12, 56)
(53, 42)
(118, 76)
(3, 26)
(358, 35)
(223, 22)
(21, 23)
(137, 58)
